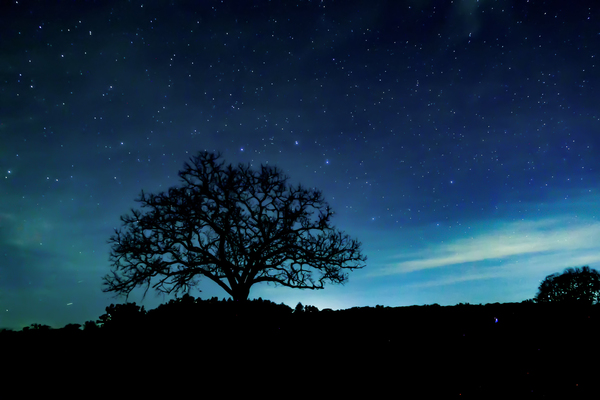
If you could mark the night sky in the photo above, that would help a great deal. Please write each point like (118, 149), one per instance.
(459, 141)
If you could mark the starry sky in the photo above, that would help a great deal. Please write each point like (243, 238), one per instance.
(457, 140)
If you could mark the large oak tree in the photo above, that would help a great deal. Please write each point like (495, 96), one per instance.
(234, 225)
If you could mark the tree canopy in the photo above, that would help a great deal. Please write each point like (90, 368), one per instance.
(234, 225)
(574, 285)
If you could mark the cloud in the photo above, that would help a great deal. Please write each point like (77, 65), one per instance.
(521, 239)
(537, 266)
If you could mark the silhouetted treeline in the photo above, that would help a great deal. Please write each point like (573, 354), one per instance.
(188, 315)
(512, 349)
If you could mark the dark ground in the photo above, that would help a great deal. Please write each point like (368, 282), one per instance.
(494, 351)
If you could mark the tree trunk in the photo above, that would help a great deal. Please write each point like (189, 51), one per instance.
(240, 298)
(240, 293)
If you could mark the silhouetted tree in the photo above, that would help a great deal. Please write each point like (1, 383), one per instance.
(90, 326)
(40, 327)
(574, 285)
(235, 226)
(128, 315)
(311, 309)
(72, 327)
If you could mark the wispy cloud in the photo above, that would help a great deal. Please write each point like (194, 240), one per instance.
(550, 237)
(538, 265)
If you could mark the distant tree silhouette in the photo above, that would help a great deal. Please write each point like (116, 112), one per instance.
(235, 226)
(128, 315)
(218, 320)
(311, 309)
(183, 313)
(302, 309)
(72, 327)
(90, 326)
(40, 327)
(574, 285)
